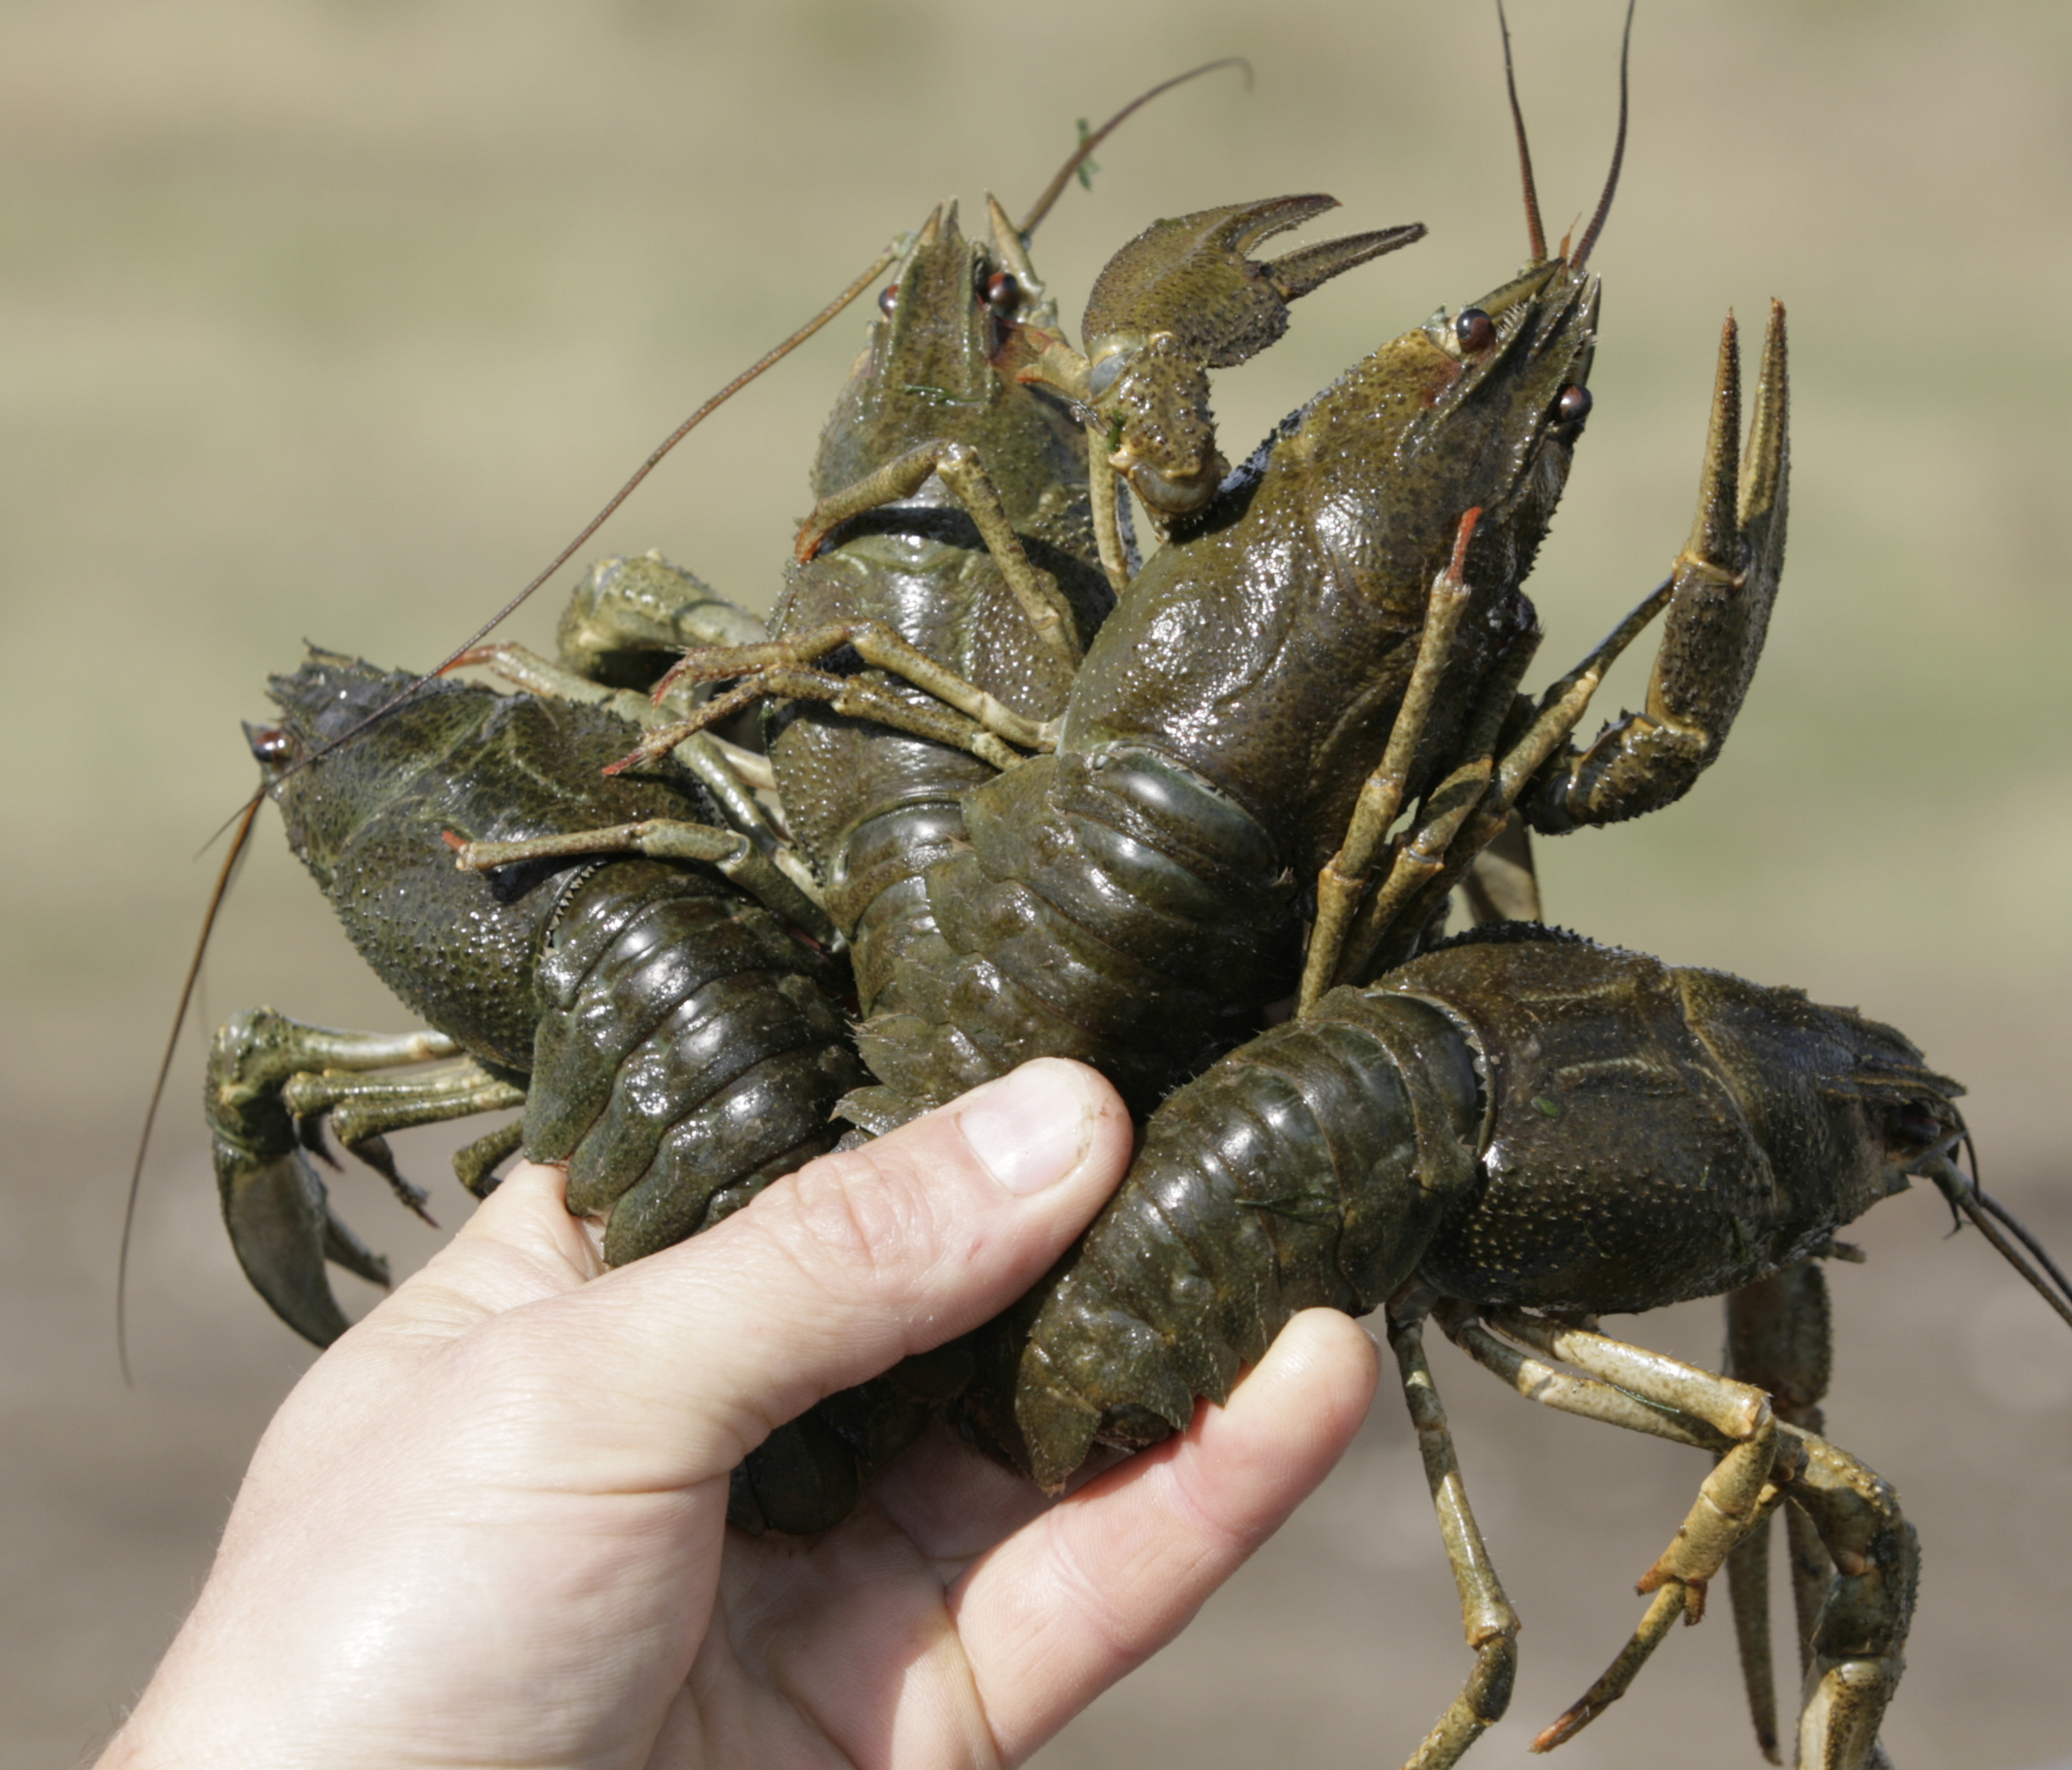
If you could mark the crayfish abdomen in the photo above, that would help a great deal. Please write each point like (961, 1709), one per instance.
(1113, 908)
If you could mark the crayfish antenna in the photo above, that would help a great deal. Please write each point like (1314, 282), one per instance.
(1618, 151)
(1987, 1214)
(1088, 141)
(1534, 231)
(165, 1069)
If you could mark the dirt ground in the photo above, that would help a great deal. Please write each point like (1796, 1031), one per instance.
(335, 320)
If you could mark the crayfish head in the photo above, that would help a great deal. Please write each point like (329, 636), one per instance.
(1509, 397)
(1843, 1106)
(1505, 383)
(324, 798)
(958, 317)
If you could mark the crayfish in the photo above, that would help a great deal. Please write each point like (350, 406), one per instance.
(1023, 792)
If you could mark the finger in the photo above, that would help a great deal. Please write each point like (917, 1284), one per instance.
(520, 1245)
(836, 1273)
(1059, 1612)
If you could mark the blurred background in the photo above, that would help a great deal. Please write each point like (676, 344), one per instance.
(335, 320)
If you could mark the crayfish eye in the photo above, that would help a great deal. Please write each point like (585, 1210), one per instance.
(269, 743)
(1917, 1126)
(1474, 330)
(888, 299)
(1003, 292)
(1573, 406)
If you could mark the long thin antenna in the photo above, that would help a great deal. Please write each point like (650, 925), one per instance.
(1056, 188)
(598, 522)
(2008, 1217)
(158, 1086)
(1995, 1208)
(1964, 1194)
(1618, 151)
(1533, 231)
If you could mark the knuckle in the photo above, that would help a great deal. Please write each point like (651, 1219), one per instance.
(860, 1218)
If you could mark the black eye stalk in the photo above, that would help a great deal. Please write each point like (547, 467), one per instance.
(1474, 331)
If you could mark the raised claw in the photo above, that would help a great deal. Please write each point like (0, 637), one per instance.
(1194, 280)
(1724, 584)
(1181, 298)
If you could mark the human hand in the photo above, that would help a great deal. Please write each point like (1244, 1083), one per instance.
(488, 1526)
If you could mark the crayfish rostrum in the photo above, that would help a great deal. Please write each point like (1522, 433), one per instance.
(1022, 793)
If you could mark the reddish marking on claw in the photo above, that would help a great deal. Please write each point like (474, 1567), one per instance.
(452, 840)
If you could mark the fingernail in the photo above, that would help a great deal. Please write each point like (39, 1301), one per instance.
(1030, 1128)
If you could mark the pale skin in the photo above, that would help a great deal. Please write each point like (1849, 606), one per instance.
(488, 1527)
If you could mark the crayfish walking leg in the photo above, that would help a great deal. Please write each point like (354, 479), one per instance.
(1490, 1624)
(1858, 1640)
(1779, 1336)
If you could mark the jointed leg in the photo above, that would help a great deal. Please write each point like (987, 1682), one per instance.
(728, 850)
(1863, 1620)
(1343, 881)
(1104, 489)
(1859, 1640)
(739, 781)
(1707, 1409)
(1453, 825)
(879, 647)
(1779, 1338)
(1486, 1616)
(958, 466)
(1724, 584)
(847, 695)
(363, 1109)
(1468, 809)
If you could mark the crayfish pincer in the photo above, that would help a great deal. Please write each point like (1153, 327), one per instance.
(1512, 1135)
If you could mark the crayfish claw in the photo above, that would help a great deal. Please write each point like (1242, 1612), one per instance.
(1721, 593)
(1181, 298)
(279, 1216)
(1194, 279)
(283, 1229)
(281, 1226)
